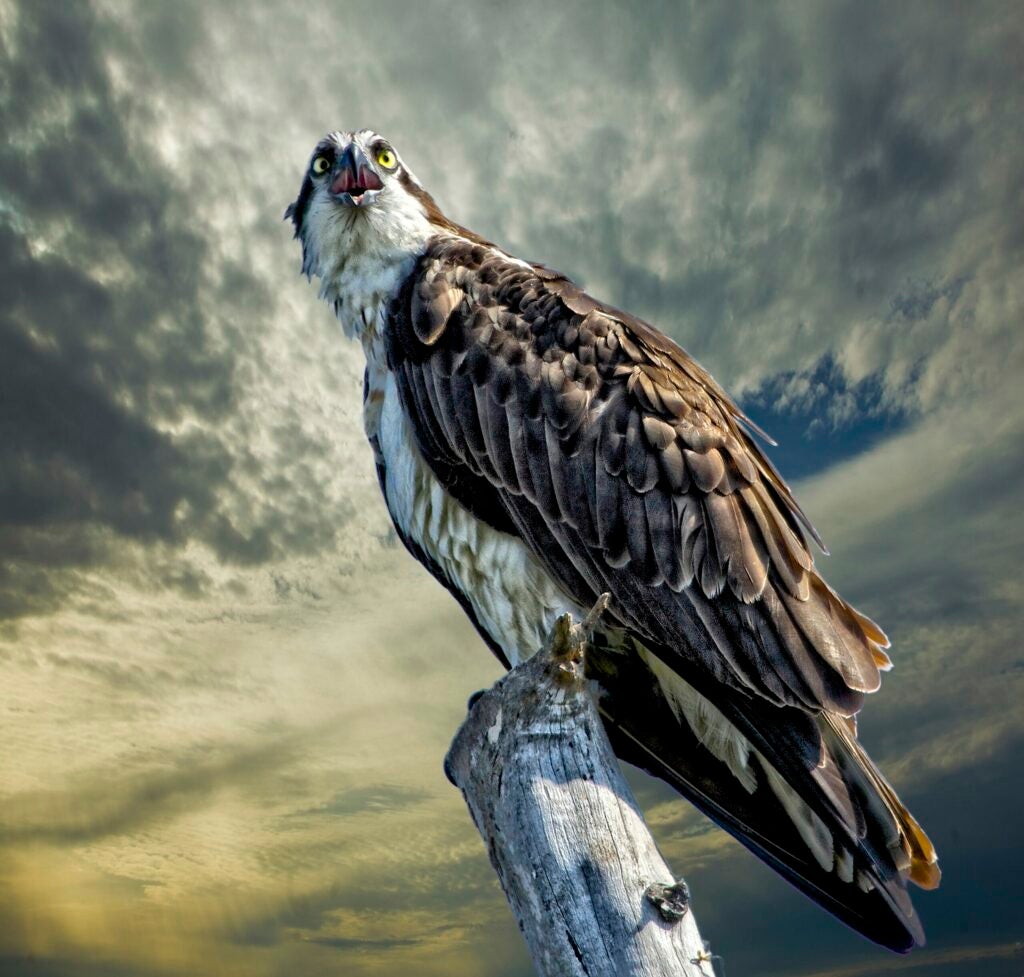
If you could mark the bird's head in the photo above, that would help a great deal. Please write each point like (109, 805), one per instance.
(359, 197)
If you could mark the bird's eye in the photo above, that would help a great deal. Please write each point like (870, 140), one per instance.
(387, 159)
(321, 165)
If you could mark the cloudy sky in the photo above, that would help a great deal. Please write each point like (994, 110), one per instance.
(226, 691)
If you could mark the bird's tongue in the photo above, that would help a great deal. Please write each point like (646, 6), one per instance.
(348, 181)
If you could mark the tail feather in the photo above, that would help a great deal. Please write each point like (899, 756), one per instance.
(798, 790)
(918, 858)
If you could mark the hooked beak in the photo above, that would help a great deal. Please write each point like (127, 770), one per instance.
(354, 182)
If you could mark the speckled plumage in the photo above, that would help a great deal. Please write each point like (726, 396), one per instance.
(537, 448)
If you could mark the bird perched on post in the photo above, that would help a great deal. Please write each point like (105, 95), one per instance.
(537, 448)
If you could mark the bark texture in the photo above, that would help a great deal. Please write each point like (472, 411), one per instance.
(589, 889)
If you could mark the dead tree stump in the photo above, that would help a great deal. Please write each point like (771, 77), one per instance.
(588, 887)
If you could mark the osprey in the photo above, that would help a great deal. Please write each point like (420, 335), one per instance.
(537, 448)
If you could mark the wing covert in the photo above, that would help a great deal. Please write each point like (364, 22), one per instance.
(626, 468)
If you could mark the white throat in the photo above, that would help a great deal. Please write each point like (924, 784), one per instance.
(362, 256)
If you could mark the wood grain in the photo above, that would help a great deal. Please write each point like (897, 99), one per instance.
(591, 893)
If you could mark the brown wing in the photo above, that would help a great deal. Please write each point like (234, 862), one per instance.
(603, 435)
(626, 469)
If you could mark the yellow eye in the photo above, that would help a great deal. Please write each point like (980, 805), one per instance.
(387, 159)
(321, 165)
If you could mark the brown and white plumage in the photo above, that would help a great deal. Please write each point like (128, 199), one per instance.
(537, 448)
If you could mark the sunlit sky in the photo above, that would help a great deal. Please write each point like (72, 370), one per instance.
(227, 691)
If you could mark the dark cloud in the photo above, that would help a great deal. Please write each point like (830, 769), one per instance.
(122, 329)
(32, 966)
(101, 804)
(73, 454)
(102, 336)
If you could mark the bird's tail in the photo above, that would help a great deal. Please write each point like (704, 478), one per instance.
(798, 790)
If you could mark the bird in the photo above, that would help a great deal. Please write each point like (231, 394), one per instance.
(537, 448)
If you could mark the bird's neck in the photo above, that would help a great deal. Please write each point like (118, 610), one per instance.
(362, 289)
(362, 258)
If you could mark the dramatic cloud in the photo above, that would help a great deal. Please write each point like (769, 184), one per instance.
(138, 344)
(227, 691)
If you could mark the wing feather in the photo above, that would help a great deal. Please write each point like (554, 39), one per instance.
(663, 532)
(625, 468)
(677, 495)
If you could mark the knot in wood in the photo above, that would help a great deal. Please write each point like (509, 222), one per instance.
(671, 901)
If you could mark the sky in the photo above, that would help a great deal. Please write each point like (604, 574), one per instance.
(227, 691)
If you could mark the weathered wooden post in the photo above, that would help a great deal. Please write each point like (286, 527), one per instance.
(592, 894)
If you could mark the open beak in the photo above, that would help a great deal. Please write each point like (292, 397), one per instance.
(354, 182)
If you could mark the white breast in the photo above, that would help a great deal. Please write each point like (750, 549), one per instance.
(513, 596)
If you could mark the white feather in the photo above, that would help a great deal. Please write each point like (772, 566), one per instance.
(513, 596)
(722, 739)
(812, 829)
(728, 744)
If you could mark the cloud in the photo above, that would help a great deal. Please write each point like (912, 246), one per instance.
(347, 943)
(129, 336)
(940, 962)
(775, 151)
(100, 324)
(100, 805)
(373, 799)
(227, 690)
